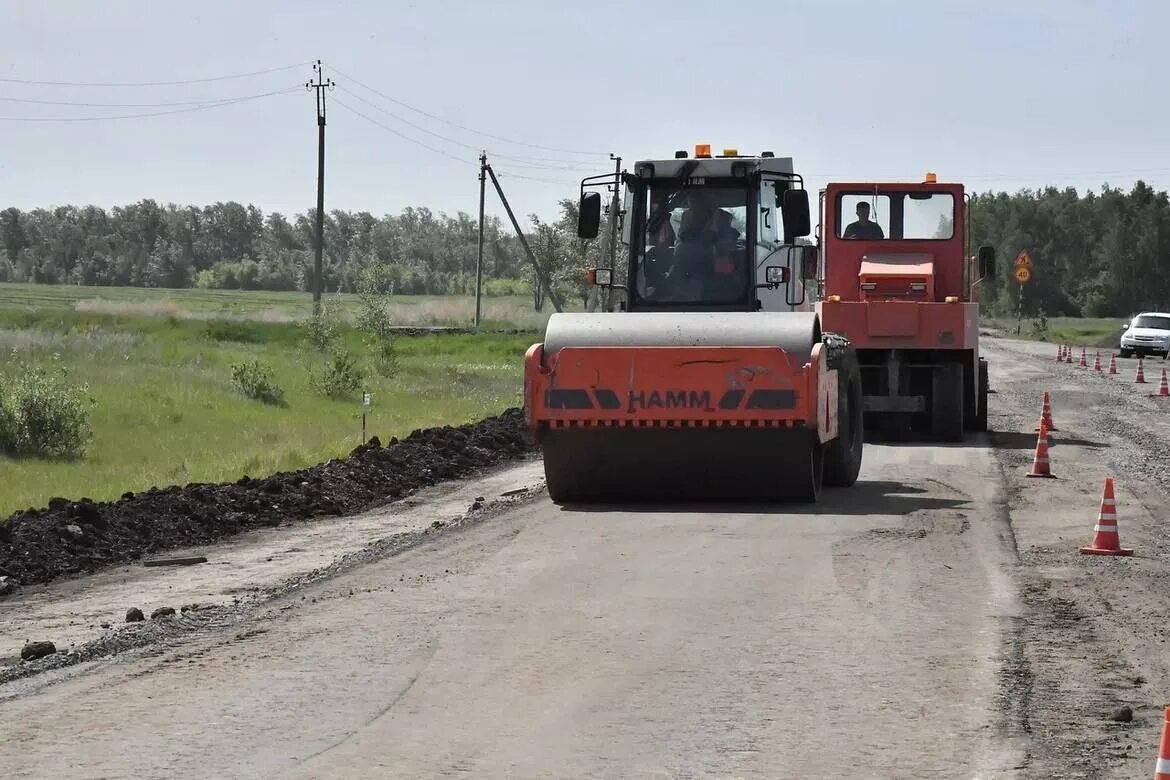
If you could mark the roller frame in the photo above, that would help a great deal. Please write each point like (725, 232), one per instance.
(696, 405)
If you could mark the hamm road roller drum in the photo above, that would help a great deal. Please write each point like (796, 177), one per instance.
(698, 405)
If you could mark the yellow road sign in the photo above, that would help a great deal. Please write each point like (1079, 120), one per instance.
(1023, 274)
(1023, 260)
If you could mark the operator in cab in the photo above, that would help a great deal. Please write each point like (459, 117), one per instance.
(864, 229)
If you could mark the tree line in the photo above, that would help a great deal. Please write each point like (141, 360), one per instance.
(234, 246)
(1101, 254)
(1104, 253)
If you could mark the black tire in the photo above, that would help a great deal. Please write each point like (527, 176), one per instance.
(947, 402)
(984, 387)
(843, 454)
(1125, 353)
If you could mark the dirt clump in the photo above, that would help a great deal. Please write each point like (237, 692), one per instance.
(39, 546)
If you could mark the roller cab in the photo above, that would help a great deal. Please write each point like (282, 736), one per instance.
(713, 379)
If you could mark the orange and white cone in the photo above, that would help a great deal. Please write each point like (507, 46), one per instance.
(1068, 358)
(1097, 363)
(1046, 414)
(1140, 377)
(1040, 465)
(1106, 540)
(1060, 354)
(1162, 768)
(1163, 388)
(1113, 364)
(1084, 358)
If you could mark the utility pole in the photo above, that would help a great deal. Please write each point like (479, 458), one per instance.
(319, 87)
(540, 275)
(479, 256)
(613, 220)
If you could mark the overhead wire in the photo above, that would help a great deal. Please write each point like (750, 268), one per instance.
(34, 101)
(403, 136)
(473, 131)
(153, 83)
(503, 175)
(526, 162)
(202, 106)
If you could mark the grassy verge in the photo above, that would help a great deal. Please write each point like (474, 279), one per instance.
(259, 306)
(1082, 331)
(164, 410)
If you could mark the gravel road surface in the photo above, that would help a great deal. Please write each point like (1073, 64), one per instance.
(935, 620)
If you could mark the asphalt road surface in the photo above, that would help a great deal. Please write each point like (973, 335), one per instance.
(871, 637)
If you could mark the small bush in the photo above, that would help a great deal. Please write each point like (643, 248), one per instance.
(41, 415)
(341, 375)
(255, 380)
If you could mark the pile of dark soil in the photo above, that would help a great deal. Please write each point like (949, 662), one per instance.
(75, 537)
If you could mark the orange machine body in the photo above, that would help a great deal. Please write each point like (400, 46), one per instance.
(906, 299)
(679, 387)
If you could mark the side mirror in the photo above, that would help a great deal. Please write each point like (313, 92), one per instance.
(589, 215)
(808, 262)
(986, 260)
(794, 209)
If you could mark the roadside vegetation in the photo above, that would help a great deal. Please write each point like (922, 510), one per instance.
(156, 391)
(1102, 332)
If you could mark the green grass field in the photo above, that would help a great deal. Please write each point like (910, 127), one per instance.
(164, 410)
(1081, 331)
(274, 307)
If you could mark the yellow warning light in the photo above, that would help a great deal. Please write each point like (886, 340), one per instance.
(931, 178)
(952, 299)
(702, 150)
(730, 152)
(834, 299)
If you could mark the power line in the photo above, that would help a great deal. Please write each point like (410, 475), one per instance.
(152, 83)
(462, 127)
(389, 129)
(525, 161)
(6, 99)
(436, 150)
(201, 107)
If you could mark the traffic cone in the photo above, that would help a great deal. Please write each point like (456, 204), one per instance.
(1113, 364)
(1060, 354)
(1162, 768)
(1105, 538)
(1068, 355)
(1046, 414)
(1040, 465)
(1097, 363)
(1084, 359)
(1140, 377)
(1163, 388)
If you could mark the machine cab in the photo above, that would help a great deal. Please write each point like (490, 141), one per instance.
(709, 234)
(897, 241)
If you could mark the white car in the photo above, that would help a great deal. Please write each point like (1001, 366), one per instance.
(1147, 334)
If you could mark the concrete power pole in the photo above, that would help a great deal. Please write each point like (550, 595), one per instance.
(479, 255)
(319, 87)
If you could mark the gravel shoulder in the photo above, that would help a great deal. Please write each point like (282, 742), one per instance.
(1093, 640)
(77, 612)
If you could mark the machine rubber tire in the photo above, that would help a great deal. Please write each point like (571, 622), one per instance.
(809, 478)
(1125, 353)
(843, 454)
(984, 387)
(947, 402)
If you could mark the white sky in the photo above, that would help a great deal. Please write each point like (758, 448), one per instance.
(998, 94)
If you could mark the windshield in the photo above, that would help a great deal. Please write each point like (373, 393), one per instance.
(877, 215)
(1150, 321)
(693, 249)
